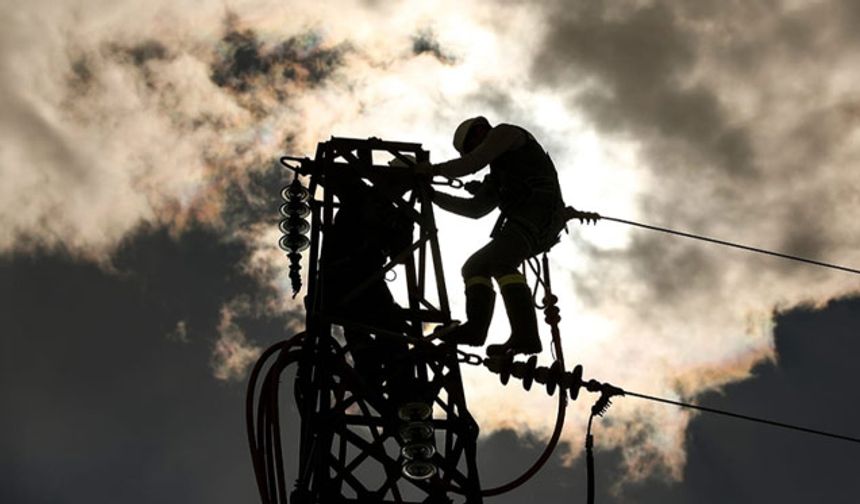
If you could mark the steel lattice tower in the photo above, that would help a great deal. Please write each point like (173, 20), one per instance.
(367, 378)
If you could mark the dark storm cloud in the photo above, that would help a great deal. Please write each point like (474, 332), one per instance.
(632, 68)
(81, 75)
(245, 64)
(734, 461)
(629, 66)
(143, 52)
(169, 269)
(815, 209)
(140, 55)
(505, 455)
(426, 42)
(822, 128)
(255, 199)
(743, 120)
(99, 404)
(671, 269)
(85, 68)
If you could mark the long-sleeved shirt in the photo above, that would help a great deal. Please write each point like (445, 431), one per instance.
(475, 207)
(500, 139)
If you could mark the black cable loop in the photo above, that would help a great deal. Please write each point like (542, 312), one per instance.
(598, 409)
(263, 428)
(589, 461)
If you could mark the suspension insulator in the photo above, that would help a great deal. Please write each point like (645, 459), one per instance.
(552, 377)
(417, 435)
(573, 381)
(294, 223)
(295, 192)
(414, 411)
(295, 207)
(414, 432)
(418, 451)
(556, 374)
(528, 372)
(419, 469)
(294, 243)
(542, 377)
(502, 365)
(294, 228)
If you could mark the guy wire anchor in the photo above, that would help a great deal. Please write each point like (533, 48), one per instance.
(552, 377)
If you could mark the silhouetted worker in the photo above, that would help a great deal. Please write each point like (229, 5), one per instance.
(523, 184)
(367, 229)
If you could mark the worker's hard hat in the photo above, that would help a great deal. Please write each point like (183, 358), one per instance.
(463, 130)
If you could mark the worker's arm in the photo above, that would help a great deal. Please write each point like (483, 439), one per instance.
(500, 139)
(482, 203)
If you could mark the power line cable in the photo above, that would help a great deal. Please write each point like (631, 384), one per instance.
(731, 244)
(744, 417)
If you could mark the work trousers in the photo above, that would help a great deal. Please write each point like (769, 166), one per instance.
(508, 248)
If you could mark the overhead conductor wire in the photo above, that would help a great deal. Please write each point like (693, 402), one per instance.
(731, 244)
(744, 417)
(751, 249)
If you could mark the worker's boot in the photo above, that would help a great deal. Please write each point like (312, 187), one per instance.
(521, 314)
(480, 300)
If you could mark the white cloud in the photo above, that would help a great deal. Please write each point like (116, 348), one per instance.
(232, 354)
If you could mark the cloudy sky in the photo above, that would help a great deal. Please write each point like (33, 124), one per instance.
(138, 225)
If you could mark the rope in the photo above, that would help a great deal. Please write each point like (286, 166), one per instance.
(539, 282)
(745, 417)
(732, 244)
(538, 270)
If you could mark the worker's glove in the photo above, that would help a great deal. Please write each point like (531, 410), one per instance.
(473, 186)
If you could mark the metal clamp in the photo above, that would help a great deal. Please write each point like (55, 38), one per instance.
(469, 358)
(453, 183)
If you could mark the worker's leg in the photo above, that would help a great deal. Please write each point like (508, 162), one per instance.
(501, 256)
(499, 259)
(515, 246)
(519, 306)
(480, 300)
